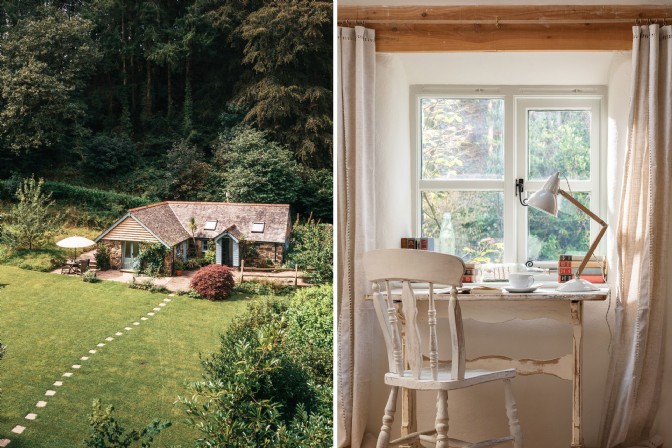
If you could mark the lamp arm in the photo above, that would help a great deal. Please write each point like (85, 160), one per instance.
(596, 218)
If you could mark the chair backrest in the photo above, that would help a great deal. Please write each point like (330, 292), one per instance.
(387, 266)
(84, 264)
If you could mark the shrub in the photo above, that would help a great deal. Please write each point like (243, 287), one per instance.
(90, 277)
(150, 259)
(106, 432)
(262, 287)
(102, 256)
(178, 264)
(213, 282)
(147, 285)
(256, 391)
(311, 247)
(210, 255)
(310, 331)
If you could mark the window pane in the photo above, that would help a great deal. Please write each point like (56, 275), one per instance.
(462, 138)
(559, 140)
(477, 223)
(569, 233)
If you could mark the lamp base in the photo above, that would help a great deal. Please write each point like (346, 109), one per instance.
(578, 285)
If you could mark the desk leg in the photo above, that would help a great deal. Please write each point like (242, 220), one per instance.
(408, 420)
(576, 309)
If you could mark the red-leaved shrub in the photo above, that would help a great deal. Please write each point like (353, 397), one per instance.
(213, 282)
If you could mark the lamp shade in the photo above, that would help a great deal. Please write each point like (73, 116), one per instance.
(546, 199)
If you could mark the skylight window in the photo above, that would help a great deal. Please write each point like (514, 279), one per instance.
(210, 225)
(258, 227)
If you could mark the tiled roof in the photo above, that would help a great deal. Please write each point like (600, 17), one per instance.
(170, 220)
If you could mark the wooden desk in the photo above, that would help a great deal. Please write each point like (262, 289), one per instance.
(563, 307)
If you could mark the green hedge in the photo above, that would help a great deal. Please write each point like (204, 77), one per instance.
(89, 206)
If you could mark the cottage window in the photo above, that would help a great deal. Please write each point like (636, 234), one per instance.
(258, 227)
(470, 147)
(210, 225)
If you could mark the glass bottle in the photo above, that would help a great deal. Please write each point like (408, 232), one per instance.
(447, 235)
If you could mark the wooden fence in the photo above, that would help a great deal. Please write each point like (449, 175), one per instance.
(246, 272)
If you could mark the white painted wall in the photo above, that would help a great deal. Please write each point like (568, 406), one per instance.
(544, 402)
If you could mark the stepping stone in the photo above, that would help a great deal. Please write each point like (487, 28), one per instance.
(31, 416)
(118, 333)
(143, 318)
(156, 309)
(84, 358)
(67, 374)
(76, 366)
(162, 304)
(4, 442)
(92, 351)
(171, 295)
(136, 323)
(41, 404)
(150, 314)
(50, 393)
(109, 339)
(18, 429)
(58, 383)
(128, 328)
(101, 345)
(166, 300)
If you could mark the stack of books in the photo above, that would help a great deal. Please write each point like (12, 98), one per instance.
(418, 243)
(472, 273)
(594, 272)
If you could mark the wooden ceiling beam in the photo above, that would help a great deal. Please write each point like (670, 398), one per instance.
(502, 28)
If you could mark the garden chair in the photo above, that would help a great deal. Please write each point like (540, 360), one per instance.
(384, 267)
(83, 265)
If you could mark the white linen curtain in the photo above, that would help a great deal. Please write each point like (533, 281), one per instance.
(356, 56)
(643, 245)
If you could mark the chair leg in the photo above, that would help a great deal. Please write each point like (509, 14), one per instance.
(441, 423)
(512, 414)
(388, 418)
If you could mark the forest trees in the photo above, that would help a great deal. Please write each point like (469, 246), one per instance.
(98, 93)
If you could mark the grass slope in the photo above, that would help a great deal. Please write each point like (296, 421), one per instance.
(48, 322)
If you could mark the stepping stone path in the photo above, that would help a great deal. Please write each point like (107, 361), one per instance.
(18, 429)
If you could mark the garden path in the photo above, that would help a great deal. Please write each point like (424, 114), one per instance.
(31, 416)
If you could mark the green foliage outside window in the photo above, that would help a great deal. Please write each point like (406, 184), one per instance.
(258, 390)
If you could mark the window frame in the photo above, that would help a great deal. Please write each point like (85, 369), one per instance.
(517, 101)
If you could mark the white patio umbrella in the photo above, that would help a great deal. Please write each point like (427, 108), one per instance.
(75, 242)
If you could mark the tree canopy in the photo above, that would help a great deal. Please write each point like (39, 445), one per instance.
(102, 92)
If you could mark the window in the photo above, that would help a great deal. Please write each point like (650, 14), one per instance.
(258, 227)
(470, 147)
(210, 225)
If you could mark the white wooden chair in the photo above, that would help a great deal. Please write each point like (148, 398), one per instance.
(386, 268)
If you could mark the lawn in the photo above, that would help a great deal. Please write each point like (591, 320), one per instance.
(48, 322)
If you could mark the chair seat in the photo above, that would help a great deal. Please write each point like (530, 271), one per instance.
(445, 379)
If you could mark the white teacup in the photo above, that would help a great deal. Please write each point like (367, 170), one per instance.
(521, 281)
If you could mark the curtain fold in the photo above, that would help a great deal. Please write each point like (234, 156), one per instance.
(356, 226)
(643, 241)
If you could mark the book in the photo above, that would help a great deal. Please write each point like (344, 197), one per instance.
(586, 271)
(579, 258)
(590, 264)
(590, 278)
(424, 243)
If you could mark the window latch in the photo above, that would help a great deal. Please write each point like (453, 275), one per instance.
(520, 186)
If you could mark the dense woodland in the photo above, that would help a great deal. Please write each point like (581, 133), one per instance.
(193, 100)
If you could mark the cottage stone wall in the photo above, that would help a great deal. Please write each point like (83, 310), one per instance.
(114, 248)
(267, 251)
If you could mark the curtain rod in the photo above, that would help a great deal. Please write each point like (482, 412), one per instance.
(497, 21)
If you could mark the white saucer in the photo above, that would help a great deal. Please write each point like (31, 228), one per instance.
(512, 289)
